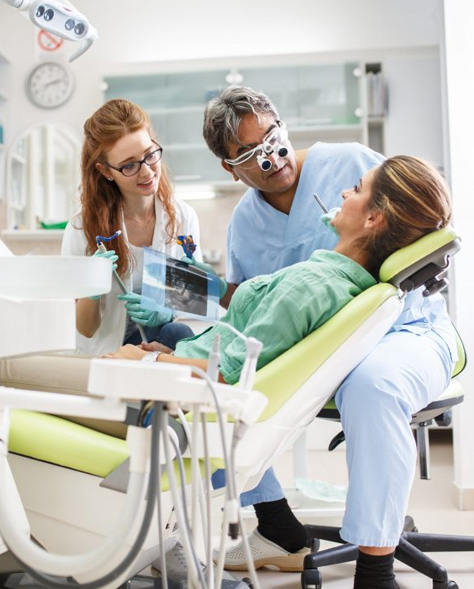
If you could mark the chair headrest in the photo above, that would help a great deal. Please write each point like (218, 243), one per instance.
(423, 262)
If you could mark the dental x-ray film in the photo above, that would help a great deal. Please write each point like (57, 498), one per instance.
(176, 286)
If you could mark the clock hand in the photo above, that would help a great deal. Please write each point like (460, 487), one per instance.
(51, 82)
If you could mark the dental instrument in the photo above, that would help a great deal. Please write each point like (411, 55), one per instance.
(188, 245)
(101, 247)
(61, 18)
(320, 203)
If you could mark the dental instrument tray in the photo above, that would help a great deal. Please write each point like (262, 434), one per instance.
(54, 276)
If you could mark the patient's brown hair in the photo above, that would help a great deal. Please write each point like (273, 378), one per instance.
(414, 200)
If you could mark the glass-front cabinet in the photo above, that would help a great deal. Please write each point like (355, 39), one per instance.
(317, 102)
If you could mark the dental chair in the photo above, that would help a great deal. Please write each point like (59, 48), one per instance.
(300, 385)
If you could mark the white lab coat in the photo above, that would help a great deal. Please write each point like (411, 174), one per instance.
(110, 334)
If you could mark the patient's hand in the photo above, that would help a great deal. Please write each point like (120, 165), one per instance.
(155, 347)
(127, 352)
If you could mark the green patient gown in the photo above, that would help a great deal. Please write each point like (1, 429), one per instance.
(280, 309)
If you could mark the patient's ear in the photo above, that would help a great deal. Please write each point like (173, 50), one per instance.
(375, 220)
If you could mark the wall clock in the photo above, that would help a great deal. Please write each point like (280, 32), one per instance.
(49, 84)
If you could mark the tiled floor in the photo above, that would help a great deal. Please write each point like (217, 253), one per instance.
(431, 506)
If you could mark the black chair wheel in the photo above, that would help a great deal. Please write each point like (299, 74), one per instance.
(445, 585)
(311, 579)
(314, 545)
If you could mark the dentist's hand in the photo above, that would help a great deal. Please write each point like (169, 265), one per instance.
(327, 218)
(210, 270)
(141, 315)
(108, 255)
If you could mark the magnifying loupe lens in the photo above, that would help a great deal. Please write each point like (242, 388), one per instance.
(283, 152)
(79, 28)
(265, 165)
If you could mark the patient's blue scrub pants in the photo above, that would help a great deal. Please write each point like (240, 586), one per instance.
(376, 401)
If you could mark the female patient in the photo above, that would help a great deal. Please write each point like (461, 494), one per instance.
(393, 205)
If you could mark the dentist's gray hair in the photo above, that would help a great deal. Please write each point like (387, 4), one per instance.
(223, 115)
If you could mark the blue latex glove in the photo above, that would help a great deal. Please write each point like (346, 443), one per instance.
(141, 315)
(210, 270)
(109, 255)
(326, 218)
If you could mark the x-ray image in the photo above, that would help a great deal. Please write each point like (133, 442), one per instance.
(179, 287)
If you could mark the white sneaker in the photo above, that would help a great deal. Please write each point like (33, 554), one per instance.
(264, 552)
(176, 563)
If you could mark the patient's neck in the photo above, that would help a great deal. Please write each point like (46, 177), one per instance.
(354, 251)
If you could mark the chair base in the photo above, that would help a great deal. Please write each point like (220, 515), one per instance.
(20, 581)
(411, 551)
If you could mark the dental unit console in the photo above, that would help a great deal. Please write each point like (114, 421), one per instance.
(46, 286)
(61, 18)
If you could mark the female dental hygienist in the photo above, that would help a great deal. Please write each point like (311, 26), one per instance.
(125, 186)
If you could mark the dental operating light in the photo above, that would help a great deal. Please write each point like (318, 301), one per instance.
(61, 18)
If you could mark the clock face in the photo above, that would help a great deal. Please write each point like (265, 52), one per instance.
(49, 84)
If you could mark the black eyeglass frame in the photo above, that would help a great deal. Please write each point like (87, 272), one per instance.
(141, 162)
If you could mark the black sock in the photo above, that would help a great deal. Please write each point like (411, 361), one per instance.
(374, 572)
(277, 523)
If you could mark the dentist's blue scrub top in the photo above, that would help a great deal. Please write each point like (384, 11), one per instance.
(261, 240)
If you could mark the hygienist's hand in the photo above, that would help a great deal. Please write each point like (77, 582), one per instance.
(141, 315)
(108, 255)
(127, 352)
(210, 270)
(328, 217)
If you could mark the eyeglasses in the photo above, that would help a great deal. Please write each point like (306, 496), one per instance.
(132, 168)
(258, 156)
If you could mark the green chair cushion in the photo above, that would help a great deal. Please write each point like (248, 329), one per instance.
(59, 441)
(413, 253)
(53, 439)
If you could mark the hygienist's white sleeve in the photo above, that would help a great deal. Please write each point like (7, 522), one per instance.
(74, 241)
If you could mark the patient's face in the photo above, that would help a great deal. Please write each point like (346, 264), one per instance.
(352, 219)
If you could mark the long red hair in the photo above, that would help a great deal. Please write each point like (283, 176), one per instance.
(101, 200)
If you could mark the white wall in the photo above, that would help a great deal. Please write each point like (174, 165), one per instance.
(157, 33)
(459, 50)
